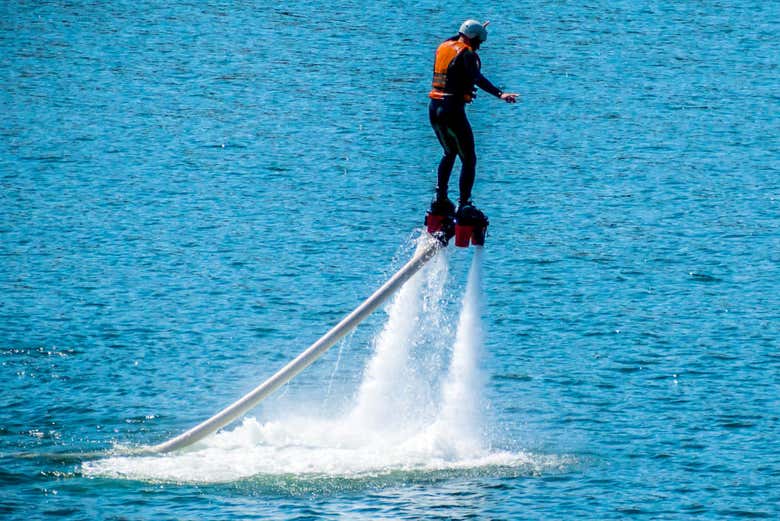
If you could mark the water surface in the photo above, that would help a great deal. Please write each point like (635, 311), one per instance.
(192, 194)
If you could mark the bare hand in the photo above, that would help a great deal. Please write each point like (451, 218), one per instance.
(509, 97)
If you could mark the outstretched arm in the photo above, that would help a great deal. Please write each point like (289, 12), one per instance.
(484, 84)
(473, 69)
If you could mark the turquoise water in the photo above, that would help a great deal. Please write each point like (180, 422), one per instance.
(192, 194)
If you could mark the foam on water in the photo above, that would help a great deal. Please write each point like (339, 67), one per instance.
(418, 409)
(307, 447)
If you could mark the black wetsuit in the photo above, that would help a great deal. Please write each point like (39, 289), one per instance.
(449, 121)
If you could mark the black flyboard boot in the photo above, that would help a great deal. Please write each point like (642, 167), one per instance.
(470, 226)
(439, 220)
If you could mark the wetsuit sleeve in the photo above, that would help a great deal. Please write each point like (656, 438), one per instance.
(484, 84)
(473, 66)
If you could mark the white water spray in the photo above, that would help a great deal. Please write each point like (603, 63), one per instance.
(418, 409)
(460, 422)
(395, 395)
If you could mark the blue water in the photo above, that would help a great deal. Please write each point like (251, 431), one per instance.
(191, 194)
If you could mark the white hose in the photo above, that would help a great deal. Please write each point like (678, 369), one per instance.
(306, 358)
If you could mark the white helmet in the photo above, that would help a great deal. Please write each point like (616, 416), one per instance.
(474, 30)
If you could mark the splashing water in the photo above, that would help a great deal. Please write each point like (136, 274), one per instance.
(395, 395)
(458, 428)
(418, 409)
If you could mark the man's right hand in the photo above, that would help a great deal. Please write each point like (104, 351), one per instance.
(509, 97)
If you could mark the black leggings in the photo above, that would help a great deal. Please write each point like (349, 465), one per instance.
(448, 119)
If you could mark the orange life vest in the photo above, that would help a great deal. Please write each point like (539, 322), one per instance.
(445, 55)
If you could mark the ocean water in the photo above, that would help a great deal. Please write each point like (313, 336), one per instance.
(191, 194)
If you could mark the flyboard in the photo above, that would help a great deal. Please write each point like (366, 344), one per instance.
(468, 226)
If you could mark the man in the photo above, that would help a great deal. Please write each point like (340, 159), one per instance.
(456, 71)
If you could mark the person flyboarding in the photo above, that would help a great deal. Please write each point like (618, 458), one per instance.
(456, 74)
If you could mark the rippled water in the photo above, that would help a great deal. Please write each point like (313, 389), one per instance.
(190, 195)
